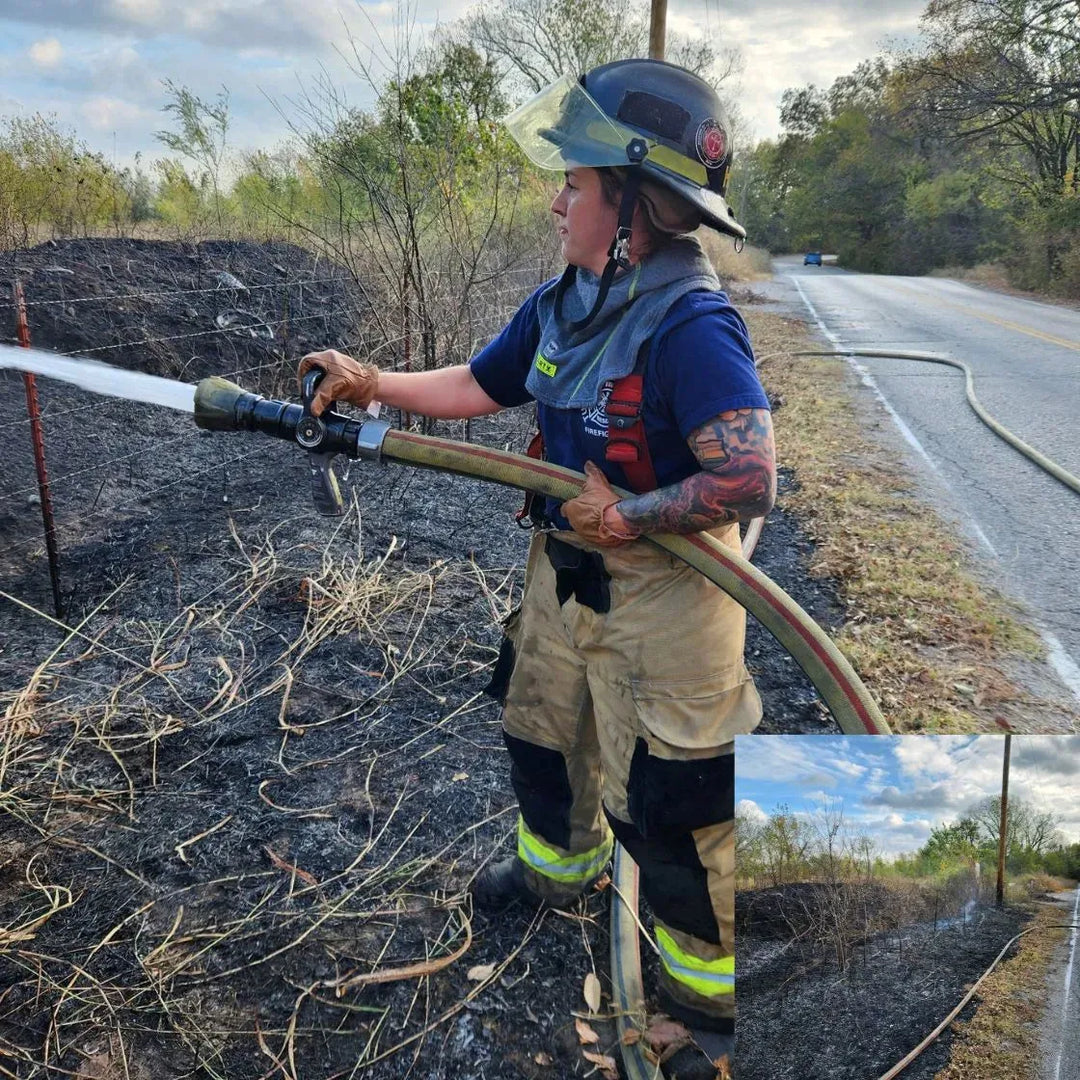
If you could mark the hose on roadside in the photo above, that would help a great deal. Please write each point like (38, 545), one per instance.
(999, 429)
(904, 1062)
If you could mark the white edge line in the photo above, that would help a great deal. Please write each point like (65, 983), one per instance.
(1068, 987)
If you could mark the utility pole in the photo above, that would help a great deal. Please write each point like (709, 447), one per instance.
(657, 29)
(1003, 827)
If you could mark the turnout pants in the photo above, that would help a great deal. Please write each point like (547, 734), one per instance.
(626, 690)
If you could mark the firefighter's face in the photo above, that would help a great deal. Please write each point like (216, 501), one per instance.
(585, 220)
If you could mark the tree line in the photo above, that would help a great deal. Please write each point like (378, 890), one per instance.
(786, 847)
(963, 151)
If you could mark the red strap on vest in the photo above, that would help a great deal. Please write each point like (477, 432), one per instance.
(536, 451)
(626, 442)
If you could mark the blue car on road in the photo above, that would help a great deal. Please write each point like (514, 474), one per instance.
(812, 258)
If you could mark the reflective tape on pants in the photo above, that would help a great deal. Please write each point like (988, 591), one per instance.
(567, 869)
(709, 978)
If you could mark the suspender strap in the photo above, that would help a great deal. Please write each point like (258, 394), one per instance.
(626, 442)
(536, 451)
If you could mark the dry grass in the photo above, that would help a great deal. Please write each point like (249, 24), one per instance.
(931, 643)
(80, 743)
(1002, 1039)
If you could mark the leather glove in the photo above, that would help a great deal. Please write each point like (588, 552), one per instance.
(345, 380)
(586, 511)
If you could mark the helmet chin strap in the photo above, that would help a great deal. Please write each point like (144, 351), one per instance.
(618, 252)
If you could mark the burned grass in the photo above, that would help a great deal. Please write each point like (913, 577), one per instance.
(1002, 1038)
(938, 649)
(810, 1011)
(241, 833)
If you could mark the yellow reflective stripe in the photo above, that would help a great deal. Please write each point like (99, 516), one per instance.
(678, 163)
(710, 978)
(658, 154)
(573, 868)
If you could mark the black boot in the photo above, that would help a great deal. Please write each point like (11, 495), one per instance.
(713, 1039)
(501, 884)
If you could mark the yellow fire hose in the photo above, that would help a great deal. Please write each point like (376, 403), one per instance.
(222, 406)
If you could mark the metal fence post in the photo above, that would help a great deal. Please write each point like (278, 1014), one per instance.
(32, 410)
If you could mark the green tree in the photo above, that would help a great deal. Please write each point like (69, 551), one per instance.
(201, 135)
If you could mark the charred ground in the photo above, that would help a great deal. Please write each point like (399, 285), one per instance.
(907, 959)
(263, 764)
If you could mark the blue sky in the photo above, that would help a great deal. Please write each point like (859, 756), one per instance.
(897, 788)
(98, 65)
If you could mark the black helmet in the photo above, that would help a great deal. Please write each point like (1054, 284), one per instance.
(636, 112)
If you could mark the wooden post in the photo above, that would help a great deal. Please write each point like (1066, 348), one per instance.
(1003, 826)
(657, 29)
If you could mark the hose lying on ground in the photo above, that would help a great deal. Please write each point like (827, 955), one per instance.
(995, 426)
(901, 1065)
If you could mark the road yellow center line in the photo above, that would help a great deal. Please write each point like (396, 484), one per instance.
(1066, 343)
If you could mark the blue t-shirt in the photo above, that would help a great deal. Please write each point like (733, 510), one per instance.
(700, 364)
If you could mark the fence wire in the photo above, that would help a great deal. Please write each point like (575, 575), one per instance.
(85, 435)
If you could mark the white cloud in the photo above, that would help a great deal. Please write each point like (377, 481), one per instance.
(749, 809)
(108, 113)
(46, 53)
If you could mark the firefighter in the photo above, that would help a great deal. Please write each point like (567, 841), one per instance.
(624, 677)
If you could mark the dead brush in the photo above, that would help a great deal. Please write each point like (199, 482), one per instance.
(260, 926)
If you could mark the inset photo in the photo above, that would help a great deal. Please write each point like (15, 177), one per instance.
(907, 907)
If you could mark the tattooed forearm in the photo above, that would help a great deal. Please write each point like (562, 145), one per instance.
(737, 479)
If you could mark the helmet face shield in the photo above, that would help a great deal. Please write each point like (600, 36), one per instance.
(562, 127)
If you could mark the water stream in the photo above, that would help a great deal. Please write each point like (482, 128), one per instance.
(101, 378)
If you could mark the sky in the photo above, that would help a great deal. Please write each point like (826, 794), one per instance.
(897, 788)
(99, 66)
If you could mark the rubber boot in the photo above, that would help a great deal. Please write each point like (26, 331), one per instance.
(501, 884)
(713, 1038)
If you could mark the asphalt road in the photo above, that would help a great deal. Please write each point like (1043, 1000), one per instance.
(1026, 360)
(1061, 1021)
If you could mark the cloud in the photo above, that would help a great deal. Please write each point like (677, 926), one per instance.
(46, 53)
(108, 113)
(938, 797)
(750, 810)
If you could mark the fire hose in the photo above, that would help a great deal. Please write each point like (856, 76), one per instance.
(223, 406)
(999, 429)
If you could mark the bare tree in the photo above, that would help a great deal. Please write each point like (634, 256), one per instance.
(537, 41)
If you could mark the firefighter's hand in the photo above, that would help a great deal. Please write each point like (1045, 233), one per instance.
(587, 512)
(345, 380)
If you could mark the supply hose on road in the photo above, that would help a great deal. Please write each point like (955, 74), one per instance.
(999, 429)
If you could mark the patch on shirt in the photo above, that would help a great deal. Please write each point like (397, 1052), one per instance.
(595, 418)
(544, 365)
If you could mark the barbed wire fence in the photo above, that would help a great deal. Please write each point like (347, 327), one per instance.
(110, 460)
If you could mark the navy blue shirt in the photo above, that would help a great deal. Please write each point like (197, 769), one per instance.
(700, 364)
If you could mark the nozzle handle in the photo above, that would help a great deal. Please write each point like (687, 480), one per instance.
(325, 492)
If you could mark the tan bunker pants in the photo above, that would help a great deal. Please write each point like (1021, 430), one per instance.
(627, 690)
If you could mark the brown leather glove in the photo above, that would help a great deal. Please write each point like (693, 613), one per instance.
(586, 511)
(345, 380)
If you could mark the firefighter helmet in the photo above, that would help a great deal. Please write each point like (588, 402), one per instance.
(636, 112)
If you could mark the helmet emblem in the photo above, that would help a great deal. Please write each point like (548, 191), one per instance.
(711, 143)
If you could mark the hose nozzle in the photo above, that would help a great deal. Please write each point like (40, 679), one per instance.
(216, 401)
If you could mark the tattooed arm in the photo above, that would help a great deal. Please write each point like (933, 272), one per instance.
(737, 480)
